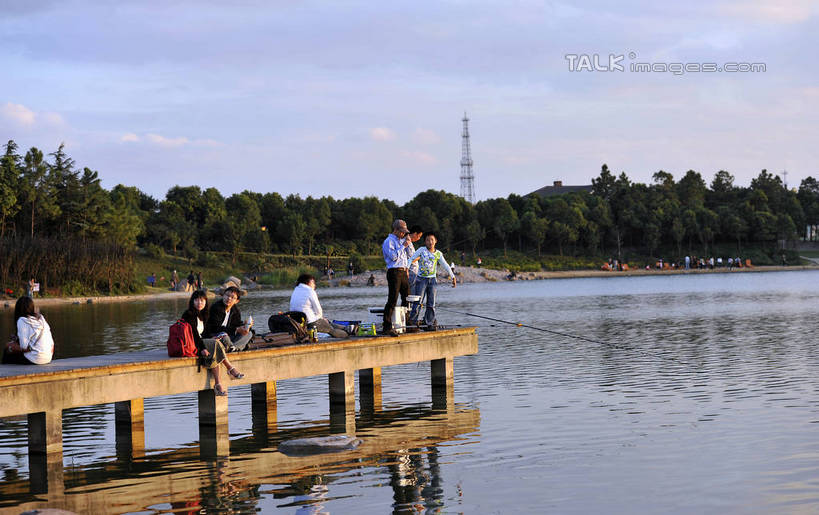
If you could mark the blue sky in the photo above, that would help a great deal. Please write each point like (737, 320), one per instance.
(366, 98)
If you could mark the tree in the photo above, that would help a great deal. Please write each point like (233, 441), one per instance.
(475, 234)
(603, 186)
(66, 182)
(9, 176)
(122, 224)
(535, 228)
(38, 189)
(243, 221)
(291, 230)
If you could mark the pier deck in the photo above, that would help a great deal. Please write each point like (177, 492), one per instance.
(125, 379)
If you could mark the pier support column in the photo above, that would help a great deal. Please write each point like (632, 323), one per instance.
(213, 424)
(264, 408)
(369, 382)
(45, 451)
(442, 374)
(129, 419)
(342, 402)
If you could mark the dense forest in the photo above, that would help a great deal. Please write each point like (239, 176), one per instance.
(49, 196)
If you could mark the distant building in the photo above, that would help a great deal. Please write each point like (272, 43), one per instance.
(559, 189)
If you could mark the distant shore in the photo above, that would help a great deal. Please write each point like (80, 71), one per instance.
(477, 275)
(464, 275)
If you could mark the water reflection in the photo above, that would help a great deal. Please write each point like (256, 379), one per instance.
(403, 442)
(702, 399)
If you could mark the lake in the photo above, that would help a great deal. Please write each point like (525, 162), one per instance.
(672, 394)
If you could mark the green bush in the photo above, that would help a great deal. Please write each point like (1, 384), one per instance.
(154, 251)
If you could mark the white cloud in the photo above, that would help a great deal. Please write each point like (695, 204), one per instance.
(382, 134)
(425, 137)
(53, 119)
(19, 114)
(129, 137)
(418, 157)
(782, 11)
(162, 141)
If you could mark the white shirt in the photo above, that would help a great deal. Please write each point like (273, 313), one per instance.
(304, 299)
(35, 339)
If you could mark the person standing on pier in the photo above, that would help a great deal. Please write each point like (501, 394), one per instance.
(225, 317)
(211, 350)
(33, 343)
(428, 259)
(396, 256)
(415, 234)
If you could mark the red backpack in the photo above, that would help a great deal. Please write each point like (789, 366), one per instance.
(180, 340)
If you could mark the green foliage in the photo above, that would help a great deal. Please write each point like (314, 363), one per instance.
(47, 195)
(154, 250)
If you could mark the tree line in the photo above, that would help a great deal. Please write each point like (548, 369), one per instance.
(50, 196)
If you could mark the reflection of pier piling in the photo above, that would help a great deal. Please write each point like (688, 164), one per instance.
(109, 487)
(42, 392)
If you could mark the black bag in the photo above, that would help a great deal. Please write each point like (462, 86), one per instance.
(290, 322)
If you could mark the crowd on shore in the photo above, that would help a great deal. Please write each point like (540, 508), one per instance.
(687, 263)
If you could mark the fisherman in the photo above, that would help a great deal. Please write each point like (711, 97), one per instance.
(304, 299)
(395, 250)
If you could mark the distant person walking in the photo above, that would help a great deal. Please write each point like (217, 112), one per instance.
(199, 283)
(30, 288)
(33, 343)
(395, 251)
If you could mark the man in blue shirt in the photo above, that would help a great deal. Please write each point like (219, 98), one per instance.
(396, 251)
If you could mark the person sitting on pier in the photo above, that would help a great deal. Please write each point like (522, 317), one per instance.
(304, 299)
(225, 317)
(197, 316)
(33, 343)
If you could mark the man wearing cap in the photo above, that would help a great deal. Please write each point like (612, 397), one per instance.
(396, 251)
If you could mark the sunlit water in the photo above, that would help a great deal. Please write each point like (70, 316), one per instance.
(697, 394)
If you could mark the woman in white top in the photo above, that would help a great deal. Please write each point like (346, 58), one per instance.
(33, 343)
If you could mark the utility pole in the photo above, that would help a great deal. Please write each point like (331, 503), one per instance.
(467, 177)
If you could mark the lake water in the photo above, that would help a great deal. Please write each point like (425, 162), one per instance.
(696, 394)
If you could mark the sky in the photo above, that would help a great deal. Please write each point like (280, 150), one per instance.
(350, 98)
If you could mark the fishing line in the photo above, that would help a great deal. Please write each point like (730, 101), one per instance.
(566, 335)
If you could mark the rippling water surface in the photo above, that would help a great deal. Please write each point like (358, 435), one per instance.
(685, 394)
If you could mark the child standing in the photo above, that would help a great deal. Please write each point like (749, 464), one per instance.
(428, 259)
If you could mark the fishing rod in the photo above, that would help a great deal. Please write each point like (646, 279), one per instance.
(566, 335)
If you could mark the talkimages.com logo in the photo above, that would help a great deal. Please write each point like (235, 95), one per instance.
(617, 63)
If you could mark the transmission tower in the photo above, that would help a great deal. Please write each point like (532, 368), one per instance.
(467, 178)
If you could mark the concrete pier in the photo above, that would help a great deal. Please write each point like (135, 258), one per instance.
(42, 392)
